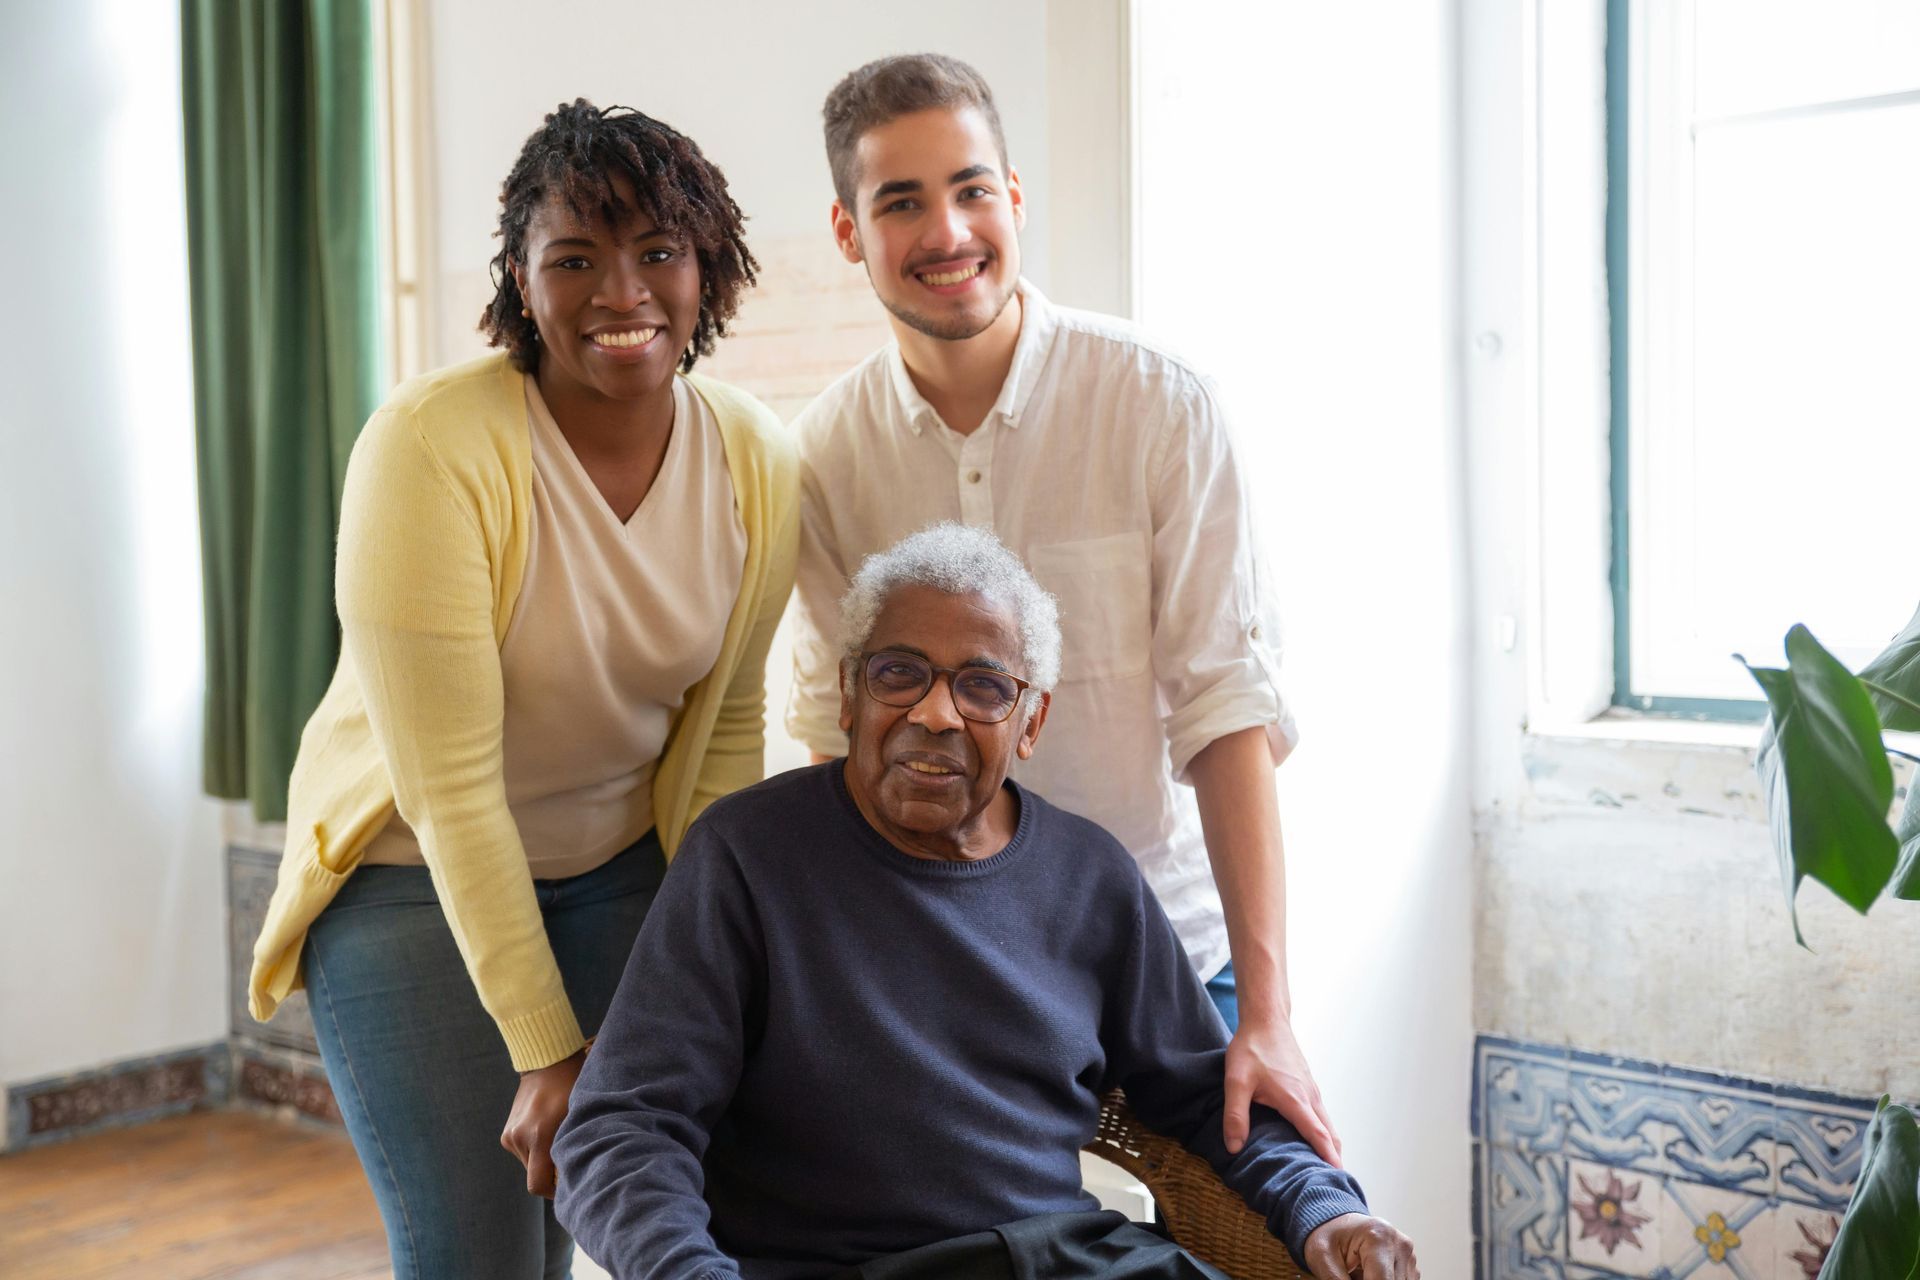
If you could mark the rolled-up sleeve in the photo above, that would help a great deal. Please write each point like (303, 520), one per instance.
(1216, 628)
(820, 579)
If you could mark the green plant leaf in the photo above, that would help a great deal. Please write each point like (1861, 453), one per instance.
(1906, 877)
(1826, 777)
(1897, 673)
(1879, 1239)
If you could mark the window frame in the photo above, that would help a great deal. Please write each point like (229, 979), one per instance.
(403, 79)
(1625, 123)
(1641, 56)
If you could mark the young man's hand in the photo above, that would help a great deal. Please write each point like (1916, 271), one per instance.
(1356, 1247)
(538, 1108)
(1264, 1064)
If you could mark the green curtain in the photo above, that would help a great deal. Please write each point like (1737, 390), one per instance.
(284, 258)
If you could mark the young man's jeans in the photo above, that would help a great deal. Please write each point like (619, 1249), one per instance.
(421, 1074)
(1225, 994)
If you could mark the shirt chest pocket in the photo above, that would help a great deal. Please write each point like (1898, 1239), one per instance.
(1105, 590)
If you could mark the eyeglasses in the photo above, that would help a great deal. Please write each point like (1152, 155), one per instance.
(981, 694)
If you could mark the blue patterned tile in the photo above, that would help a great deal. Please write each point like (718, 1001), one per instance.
(1817, 1151)
(1711, 1233)
(1524, 1199)
(1522, 1100)
(1517, 1264)
(1552, 1126)
(1620, 1117)
(1726, 1131)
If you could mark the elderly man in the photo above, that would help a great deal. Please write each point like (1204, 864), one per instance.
(871, 1015)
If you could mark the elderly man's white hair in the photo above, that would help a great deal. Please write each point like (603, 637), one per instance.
(960, 560)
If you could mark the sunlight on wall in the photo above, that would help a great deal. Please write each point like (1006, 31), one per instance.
(151, 348)
(112, 938)
(1295, 224)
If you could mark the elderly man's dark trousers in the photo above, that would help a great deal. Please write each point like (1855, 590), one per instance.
(1054, 1246)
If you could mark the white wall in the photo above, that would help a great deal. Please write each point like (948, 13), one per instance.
(112, 919)
(1298, 240)
(743, 79)
(1630, 904)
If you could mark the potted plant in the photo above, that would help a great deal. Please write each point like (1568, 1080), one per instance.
(1824, 766)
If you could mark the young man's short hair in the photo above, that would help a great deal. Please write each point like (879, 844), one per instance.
(888, 88)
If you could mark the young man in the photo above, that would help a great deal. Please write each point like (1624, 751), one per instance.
(1105, 464)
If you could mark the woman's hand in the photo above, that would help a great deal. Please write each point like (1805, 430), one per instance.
(538, 1108)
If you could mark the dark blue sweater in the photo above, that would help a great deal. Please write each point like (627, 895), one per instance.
(825, 1050)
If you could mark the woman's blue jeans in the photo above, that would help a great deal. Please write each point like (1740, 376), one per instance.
(421, 1074)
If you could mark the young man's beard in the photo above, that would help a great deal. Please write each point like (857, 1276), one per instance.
(949, 328)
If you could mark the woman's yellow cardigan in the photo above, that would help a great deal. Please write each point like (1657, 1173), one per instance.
(433, 545)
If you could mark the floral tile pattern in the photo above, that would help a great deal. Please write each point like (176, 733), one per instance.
(1589, 1167)
(1613, 1221)
(1804, 1238)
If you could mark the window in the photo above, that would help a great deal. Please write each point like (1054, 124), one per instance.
(402, 52)
(1764, 269)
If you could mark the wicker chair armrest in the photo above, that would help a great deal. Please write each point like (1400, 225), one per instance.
(1199, 1211)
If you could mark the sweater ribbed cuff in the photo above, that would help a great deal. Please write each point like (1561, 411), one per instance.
(1315, 1207)
(543, 1037)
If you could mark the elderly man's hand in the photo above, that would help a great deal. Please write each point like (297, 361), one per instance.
(1354, 1245)
(1264, 1064)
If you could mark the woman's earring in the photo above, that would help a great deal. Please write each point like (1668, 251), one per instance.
(526, 312)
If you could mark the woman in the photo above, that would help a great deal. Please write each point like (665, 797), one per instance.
(559, 571)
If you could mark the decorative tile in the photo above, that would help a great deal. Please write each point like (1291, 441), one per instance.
(61, 1107)
(1524, 1102)
(1525, 1202)
(1715, 1234)
(1621, 1116)
(1556, 1130)
(1818, 1150)
(1802, 1237)
(1726, 1130)
(283, 1081)
(250, 878)
(1518, 1264)
(1613, 1219)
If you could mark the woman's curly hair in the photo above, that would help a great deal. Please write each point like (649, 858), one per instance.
(575, 154)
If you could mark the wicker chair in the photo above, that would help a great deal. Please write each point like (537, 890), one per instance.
(1200, 1213)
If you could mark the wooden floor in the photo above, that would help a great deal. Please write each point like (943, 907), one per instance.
(220, 1194)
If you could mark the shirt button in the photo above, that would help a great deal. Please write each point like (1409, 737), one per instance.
(973, 477)
(1255, 632)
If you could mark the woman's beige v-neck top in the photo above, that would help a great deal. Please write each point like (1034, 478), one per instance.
(435, 529)
(615, 623)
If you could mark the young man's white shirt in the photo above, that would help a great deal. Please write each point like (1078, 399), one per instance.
(1105, 464)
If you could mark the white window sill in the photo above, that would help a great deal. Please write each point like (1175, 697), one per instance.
(1652, 766)
(1621, 725)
